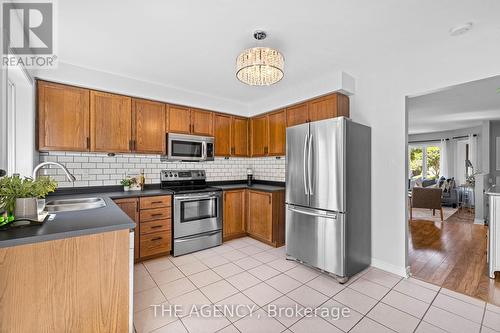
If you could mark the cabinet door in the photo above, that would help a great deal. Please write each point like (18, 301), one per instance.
(239, 136)
(149, 126)
(110, 122)
(179, 119)
(260, 136)
(234, 214)
(260, 223)
(333, 105)
(131, 208)
(202, 122)
(63, 117)
(222, 131)
(297, 114)
(277, 133)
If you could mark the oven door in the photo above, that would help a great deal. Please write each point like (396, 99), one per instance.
(196, 213)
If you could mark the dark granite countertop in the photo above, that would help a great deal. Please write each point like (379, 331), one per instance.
(109, 218)
(259, 187)
(70, 224)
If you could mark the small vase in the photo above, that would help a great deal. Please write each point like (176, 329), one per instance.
(26, 207)
(126, 188)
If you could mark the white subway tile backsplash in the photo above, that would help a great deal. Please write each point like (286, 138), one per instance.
(93, 169)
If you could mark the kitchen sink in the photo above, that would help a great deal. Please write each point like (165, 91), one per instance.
(65, 205)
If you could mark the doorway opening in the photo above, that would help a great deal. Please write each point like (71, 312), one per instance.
(452, 150)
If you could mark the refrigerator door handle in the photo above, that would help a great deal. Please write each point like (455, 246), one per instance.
(305, 165)
(325, 215)
(309, 165)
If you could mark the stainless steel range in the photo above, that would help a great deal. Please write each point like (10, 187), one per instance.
(197, 210)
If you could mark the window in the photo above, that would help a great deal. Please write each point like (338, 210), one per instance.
(424, 161)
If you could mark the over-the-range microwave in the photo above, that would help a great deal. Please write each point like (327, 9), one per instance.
(183, 147)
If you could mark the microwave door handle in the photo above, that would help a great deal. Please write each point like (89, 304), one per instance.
(204, 150)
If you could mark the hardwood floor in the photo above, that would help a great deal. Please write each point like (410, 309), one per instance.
(452, 254)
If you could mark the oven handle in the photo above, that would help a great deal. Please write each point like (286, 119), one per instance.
(189, 238)
(196, 197)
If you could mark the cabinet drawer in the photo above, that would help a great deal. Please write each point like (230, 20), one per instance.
(155, 226)
(159, 242)
(155, 214)
(156, 202)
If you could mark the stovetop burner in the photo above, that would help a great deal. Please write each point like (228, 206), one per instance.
(185, 181)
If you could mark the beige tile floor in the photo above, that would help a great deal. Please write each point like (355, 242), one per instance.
(245, 271)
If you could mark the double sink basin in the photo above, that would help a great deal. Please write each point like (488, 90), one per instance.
(66, 205)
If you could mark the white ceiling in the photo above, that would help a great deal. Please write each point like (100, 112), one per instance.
(461, 106)
(193, 44)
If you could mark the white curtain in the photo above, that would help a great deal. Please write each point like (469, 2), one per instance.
(473, 151)
(444, 162)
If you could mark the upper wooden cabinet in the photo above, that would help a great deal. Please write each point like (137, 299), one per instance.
(110, 122)
(297, 114)
(239, 136)
(148, 126)
(222, 134)
(179, 119)
(259, 129)
(190, 121)
(333, 105)
(231, 135)
(63, 117)
(277, 133)
(234, 214)
(202, 122)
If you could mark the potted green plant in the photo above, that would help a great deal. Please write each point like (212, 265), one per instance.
(18, 196)
(126, 182)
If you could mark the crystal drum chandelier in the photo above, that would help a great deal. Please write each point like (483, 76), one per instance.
(260, 66)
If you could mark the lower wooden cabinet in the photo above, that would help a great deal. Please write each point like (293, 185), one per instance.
(234, 214)
(258, 214)
(153, 231)
(131, 207)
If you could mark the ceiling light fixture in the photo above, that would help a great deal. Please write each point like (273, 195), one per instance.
(260, 66)
(461, 29)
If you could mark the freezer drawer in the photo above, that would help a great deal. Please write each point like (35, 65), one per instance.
(316, 237)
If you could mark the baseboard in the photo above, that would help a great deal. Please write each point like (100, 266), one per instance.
(479, 221)
(398, 270)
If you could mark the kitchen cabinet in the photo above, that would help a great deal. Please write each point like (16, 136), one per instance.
(222, 135)
(231, 135)
(153, 231)
(130, 206)
(179, 119)
(329, 106)
(148, 126)
(297, 114)
(234, 214)
(259, 142)
(155, 226)
(202, 122)
(75, 284)
(63, 117)
(239, 136)
(266, 216)
(186, 120)
(277, 133)
(110, 122)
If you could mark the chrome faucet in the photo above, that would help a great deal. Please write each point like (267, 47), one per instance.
(41, 165)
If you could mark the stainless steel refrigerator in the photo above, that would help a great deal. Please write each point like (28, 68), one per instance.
(328, 196)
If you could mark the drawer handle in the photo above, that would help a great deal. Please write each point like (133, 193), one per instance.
(156, 226)
(154, 215)
(156, 239)
(156, 202)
